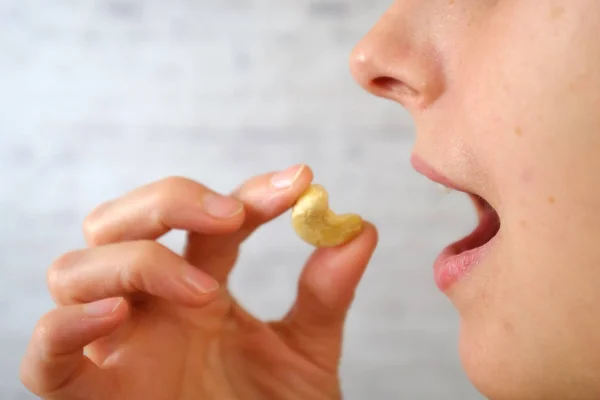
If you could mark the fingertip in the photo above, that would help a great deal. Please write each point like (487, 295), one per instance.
(120, 311)
(269, 195)
(102, 308)
(213, 214)
(370, 234)
(113, 320)
(223, 209)
(305, 178)
(87, 322)
(201, 285)
(54, 357)
(66, 330)
(295, 176)
(102, 317)
(288, 185)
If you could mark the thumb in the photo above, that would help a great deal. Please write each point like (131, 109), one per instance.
(314, 326)
(54, 365)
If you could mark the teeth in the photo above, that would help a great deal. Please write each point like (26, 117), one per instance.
(444, 189)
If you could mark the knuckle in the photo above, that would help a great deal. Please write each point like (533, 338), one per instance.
(53, 279)
(145, 254)
(92, 227)
(44, 335)
(59, 275)
(167, 195)
(54, 275)
(43, 349)
(174, 184)
(28, 379)
(146, 250)
(175, 187)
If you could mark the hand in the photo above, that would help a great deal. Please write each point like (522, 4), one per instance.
(138, 321)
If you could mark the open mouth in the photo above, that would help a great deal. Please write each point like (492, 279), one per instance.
(457, 260)
(486, 230)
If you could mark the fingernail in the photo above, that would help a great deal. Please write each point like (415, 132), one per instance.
(286, 179)
(102, 308)
(221, 206)
(199, 281)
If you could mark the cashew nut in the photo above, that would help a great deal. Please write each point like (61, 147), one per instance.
(316, 224)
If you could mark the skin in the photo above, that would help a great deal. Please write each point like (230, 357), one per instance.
(178, 333)
(505, 97)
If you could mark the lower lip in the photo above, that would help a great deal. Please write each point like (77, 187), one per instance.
(453, 264)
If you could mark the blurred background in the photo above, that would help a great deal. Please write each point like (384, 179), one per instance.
(98, 97)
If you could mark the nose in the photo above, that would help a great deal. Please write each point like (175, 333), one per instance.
(398, 63)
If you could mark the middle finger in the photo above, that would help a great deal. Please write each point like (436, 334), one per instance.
(122, 269)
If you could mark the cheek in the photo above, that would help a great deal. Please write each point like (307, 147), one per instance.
(537, 140)
(536, 298)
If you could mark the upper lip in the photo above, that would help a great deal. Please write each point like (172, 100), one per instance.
(428, 171)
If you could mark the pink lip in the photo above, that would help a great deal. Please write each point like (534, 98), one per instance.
(453, 264)
(458, 259)
(429, 172)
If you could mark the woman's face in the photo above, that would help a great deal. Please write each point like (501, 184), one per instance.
(505, 95)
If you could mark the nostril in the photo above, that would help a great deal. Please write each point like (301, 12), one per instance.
(391, 87)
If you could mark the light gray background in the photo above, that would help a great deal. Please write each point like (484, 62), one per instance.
(97, 97)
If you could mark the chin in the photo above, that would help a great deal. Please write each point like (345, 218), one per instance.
(490, 368)
(501, 367)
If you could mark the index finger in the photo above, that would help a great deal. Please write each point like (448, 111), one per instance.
(265, 197)
(150, 211)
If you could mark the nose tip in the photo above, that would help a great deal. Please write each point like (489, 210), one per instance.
(388, 67)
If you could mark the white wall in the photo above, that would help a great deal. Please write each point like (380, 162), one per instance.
(97, 97)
